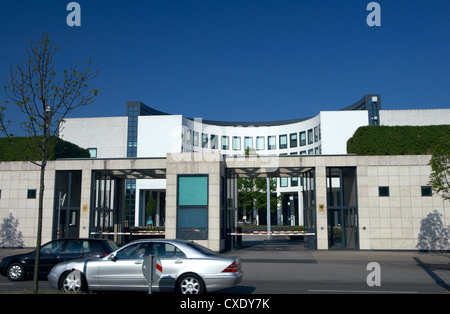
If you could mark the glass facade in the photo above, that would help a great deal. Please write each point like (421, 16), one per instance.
(192, 207)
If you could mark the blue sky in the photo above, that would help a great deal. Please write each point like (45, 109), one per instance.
(243, 60)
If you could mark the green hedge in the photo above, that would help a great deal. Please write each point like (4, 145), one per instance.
(58, 148)
(397, 140)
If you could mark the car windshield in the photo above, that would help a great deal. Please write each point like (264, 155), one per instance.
(202, 249)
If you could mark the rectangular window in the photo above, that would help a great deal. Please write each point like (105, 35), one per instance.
(193, 190)
(214, 141)
(294, 181)
(283, 141)
(236, 143)
(248, 142)
(271, 143)
(195, 138)
(316, 134)
(192, 207)
(293, 140)
(260, 143)
(31, 194)
(283, 182)
(302, 138)
(426, 190)
(92, 152)
(225, 145)
(204, 140)
(383, 191)
(310, 136)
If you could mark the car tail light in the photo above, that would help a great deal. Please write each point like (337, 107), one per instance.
(232, 268)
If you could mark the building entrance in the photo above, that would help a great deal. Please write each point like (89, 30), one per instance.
(67, 204)
(342, 208)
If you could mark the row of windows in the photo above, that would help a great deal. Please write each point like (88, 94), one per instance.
(31, 193)
(284, 141)
(426, 190)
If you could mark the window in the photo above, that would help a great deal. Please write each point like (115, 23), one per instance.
(283, 141)
(383, 191)
(293, 140)
(260, 143)
(236, 143)
(214, 141)
(426, 190)
(225, 145)
(204, 140)
(283, 182)
(294, 181)
(192, 207)
(302, 138)
(92, 152)
(316, 134)
(31, 194)
(135, 251)
(271, 143)
(54, 247)
(195, 138)
(248, 142)
(310, 136)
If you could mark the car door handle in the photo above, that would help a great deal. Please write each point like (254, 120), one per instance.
(178, 262)
(138, 262)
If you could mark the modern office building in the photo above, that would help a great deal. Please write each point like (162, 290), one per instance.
(189, 167)
(146, 132)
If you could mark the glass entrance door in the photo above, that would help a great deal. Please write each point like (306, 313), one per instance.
(68, 226)
(342, 208)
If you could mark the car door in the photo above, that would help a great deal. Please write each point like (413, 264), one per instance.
(124, 270)
(51, 254)
(172, 258)
(74, 249)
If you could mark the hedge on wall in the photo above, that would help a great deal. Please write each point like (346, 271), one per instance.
(397, 140)
(25, 147)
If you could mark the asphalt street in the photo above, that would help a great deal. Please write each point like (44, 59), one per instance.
(280, 266)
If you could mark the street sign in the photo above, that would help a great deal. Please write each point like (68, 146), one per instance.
(152, 270)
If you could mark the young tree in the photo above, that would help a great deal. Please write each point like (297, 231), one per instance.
(44, 102)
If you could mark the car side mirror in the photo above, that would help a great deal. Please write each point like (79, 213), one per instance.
(112, 257)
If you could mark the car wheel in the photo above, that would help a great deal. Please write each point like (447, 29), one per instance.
(72, 282)
(191, 284)
(16, 272)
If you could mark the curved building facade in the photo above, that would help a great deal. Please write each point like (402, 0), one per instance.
(149, 133)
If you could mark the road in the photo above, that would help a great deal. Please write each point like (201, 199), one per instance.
(286, 267)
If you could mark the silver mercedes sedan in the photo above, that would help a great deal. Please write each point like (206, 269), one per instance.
(187, 268)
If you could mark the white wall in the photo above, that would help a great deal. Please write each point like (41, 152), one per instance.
(338, 127)
(159, 135)
(415, 117)
(108, 135)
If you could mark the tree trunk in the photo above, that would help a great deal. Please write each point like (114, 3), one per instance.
(39, 231)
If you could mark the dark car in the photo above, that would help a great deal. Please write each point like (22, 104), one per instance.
(18, 267)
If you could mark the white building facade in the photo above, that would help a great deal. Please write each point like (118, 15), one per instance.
(343, 201)
(148, 133)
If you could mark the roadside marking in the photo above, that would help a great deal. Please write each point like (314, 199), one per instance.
(364, 291)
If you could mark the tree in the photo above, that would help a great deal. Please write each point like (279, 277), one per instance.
(440, 169)
(253, 193)
(44, 102)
